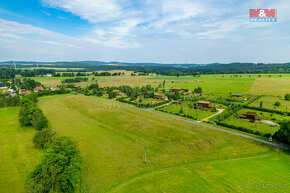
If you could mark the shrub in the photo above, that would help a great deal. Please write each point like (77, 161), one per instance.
(287, 97)
(277, 104)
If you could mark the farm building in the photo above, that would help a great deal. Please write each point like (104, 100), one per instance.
(160, 96)
(24, 91)
(36, 89)
(237, 95)
(203, 104)
(250, 116)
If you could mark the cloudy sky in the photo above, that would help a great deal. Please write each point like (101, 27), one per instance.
(165, 31)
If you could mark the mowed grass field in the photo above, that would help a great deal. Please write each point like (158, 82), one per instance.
(181, 157)
(18, 155)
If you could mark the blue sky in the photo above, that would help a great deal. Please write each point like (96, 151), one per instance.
(166, 31)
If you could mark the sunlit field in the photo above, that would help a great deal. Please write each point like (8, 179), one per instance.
(180, 157)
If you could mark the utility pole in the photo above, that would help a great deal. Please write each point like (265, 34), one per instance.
(145, 160)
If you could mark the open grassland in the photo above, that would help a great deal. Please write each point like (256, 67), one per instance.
(257, 126)
(278, 86)
(18, 155)
(181, 157)
(269, 101)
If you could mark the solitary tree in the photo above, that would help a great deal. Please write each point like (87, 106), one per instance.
(277, 104)
(261, 104)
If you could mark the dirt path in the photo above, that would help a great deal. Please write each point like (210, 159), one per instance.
(219, 112)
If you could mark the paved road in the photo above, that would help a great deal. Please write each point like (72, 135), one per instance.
(201, 124)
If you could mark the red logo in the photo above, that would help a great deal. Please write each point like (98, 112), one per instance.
(263, 15)
(260, 13)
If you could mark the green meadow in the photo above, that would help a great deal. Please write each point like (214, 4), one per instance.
(269, 101)
(18, 155)
(180, 156)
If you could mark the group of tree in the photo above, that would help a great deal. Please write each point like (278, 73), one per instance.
(60, 168)
(75, 80)
(108, 73)
(9, 101)
(30, 114)
(283, 134)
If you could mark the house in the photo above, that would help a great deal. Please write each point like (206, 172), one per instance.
(9, 81)
(203, 104)
(104, 88)
(178, 102)
(24, 91)
(160, 96)
(52, 88)
(250, 116)
(2, 86)
(36, 89)
(176, 89)
(237, 95)
(119, 93)
(11, 92)
(47, 75)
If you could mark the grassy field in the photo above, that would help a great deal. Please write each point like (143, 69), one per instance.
(18, 155)
(181, 157)
(257, 126)
(198, 114)
(278, 86)
(218, 84)
(268, 102)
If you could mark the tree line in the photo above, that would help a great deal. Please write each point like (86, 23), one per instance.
(60, 168)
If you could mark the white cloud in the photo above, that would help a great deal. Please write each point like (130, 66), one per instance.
(94, 11)
(128, 27)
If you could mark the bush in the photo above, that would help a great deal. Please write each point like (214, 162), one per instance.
(287, 97)
(277, 104)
